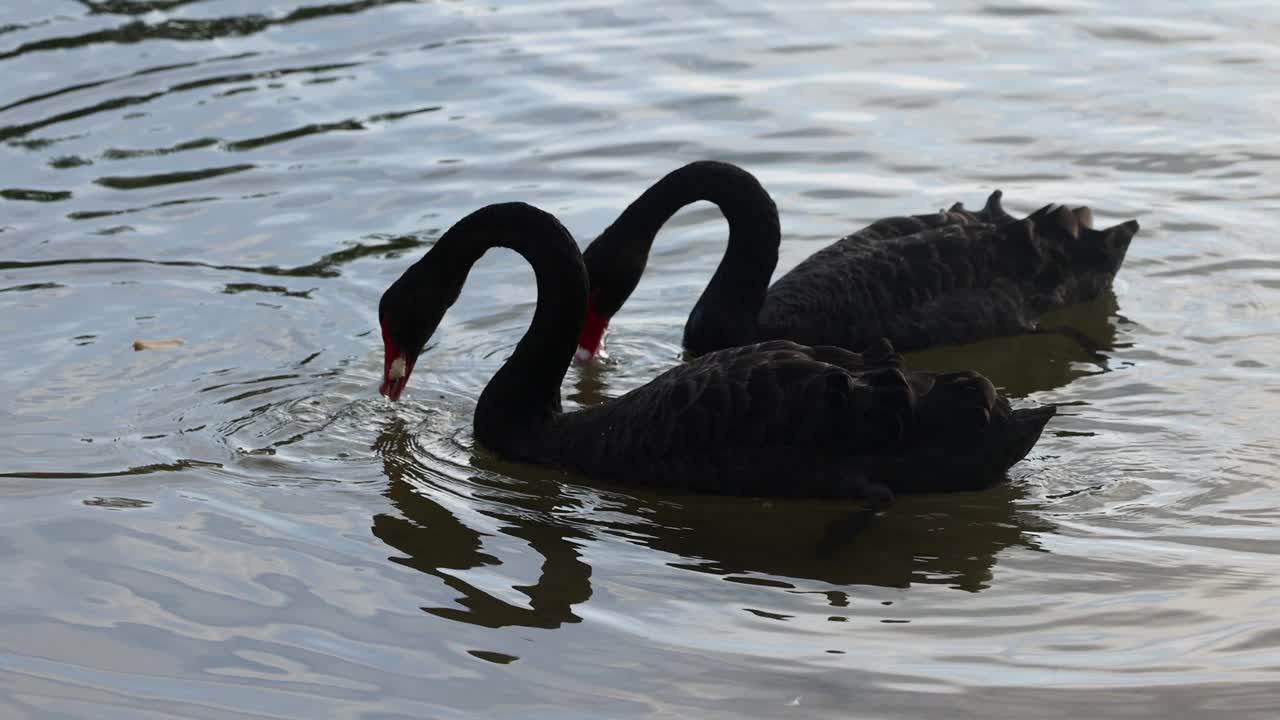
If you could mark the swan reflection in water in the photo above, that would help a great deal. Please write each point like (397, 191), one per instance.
(949, 539)
(1027, 364)
(435, 541)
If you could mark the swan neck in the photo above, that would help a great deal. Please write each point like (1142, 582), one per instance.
(524, 394)
(746, 206)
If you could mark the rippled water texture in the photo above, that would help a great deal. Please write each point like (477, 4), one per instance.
(238, 527)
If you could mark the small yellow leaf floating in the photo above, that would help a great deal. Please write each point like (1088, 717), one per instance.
(150, 344)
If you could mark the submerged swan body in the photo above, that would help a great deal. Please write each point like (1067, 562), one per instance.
(774, 418)
(942, 278)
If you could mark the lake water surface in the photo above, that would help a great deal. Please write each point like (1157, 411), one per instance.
(239, 527)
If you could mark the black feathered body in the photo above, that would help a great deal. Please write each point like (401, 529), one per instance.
(784, 419)
(774, 418)
(729, 312)
(960, 280)
(953, 276)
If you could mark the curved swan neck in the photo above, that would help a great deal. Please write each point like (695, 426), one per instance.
(618, 257)
(737, 193)
(525, 391)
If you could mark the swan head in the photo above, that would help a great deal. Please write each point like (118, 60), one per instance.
(591, 341)
(396, 367)
(409, 313)
(614, 261)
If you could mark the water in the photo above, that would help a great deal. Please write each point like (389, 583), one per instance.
(239, 528)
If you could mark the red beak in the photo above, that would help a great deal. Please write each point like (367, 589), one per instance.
(396, 369)
(593, 330)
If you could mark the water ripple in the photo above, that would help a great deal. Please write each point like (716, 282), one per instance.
(238, 526)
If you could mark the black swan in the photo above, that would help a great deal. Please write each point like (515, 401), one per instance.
(945, 278)
(776, 418)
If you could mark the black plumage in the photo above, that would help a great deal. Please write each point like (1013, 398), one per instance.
(940, 278)
(950, 284)
(775, 418)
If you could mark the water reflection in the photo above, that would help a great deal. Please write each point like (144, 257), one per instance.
(952, 540)
(188, 29)
(1027, 364)
(941, 539)
(326, 267)
(436, 542)
(249, 583)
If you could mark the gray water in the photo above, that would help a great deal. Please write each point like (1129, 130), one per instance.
(239, 527)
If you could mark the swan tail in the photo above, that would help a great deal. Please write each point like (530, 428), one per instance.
(1024, 429)
(1001, 438)
(964, 436)
(1113, 242)
(1102, 250)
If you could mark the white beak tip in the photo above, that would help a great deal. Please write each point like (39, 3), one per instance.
(397, 369)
